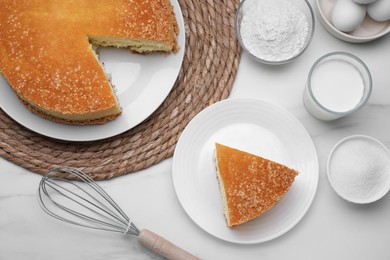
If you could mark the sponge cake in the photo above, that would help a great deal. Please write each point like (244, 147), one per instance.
(249, 184)
(47, 51)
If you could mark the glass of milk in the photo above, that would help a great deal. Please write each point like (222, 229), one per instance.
(338, 84)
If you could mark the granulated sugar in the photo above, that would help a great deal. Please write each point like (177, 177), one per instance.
(359, 169)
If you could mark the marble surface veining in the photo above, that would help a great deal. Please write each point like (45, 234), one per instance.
(331, 229)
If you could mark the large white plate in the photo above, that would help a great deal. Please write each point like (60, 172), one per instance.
(142, 83)
(256, 127)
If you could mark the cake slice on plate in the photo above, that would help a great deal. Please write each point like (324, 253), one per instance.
(249, 184)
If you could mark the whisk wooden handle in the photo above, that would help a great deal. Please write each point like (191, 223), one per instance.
(163, 247)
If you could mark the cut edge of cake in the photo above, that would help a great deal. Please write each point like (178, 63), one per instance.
(222, 191)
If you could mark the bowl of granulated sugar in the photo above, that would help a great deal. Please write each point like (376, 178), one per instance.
(358, 169)
(274, 31)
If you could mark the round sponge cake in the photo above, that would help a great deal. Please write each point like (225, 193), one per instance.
(47, 51)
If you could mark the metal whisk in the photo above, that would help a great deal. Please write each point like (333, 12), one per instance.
(71, 196)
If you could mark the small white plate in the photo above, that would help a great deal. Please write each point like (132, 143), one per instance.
(142, 82)
(253, 126)
(369, 30)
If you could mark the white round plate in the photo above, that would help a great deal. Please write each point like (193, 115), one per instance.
(142, 82)
(369, 30)
(256, 127)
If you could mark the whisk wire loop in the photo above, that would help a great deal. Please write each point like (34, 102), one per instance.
(82, 204)
(53, 185)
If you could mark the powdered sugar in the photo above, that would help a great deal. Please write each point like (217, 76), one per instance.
(273, 30)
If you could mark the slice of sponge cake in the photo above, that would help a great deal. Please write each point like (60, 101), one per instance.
(249, 184)
(47, 51)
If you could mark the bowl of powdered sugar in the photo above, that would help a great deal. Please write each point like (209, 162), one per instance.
(359, 169)
(274, 31)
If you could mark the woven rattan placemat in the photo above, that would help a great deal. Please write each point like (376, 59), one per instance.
(209, 68)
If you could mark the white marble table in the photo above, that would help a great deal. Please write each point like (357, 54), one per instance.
(331, 229)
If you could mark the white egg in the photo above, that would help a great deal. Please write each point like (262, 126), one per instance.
(347, 15)
(379, 10)
(364, 2)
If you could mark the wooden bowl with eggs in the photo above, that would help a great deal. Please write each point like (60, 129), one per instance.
(355, 30)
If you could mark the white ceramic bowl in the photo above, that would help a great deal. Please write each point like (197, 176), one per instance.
(358, 169)
(303, 5)
(369, 30)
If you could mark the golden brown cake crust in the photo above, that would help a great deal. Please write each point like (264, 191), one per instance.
(46, 56)
(252, 184)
